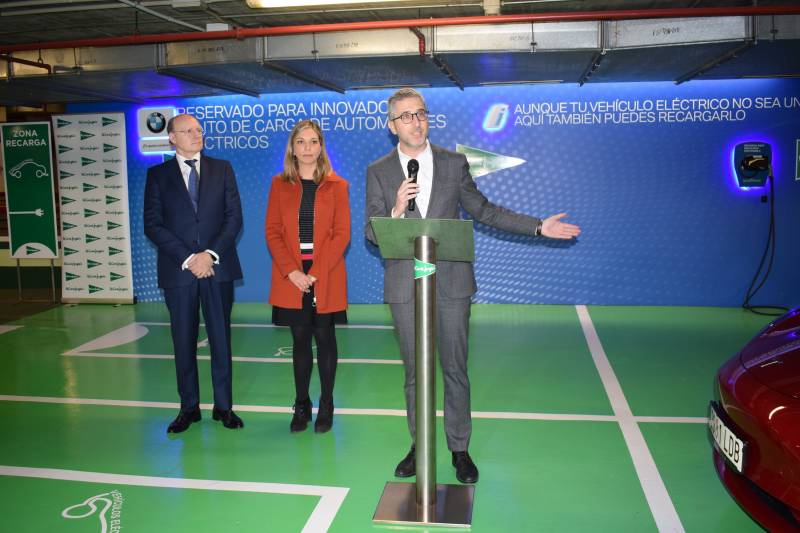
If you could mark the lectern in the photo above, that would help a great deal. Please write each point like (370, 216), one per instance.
(425, 241)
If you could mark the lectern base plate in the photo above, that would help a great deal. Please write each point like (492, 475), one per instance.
(398, 505)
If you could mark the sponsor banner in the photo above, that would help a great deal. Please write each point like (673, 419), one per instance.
(27, 153)
(95, 222)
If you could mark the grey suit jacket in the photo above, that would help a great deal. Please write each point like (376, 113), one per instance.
(453, 188)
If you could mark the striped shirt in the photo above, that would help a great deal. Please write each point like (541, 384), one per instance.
(306, 220)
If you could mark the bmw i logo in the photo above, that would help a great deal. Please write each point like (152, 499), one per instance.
(156, 122)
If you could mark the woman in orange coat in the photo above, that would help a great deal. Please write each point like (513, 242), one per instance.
(308, 230)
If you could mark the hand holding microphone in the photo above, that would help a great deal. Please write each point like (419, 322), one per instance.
(413, 169)
(407, 191)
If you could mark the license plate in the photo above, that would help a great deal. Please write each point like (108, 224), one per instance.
(726, 441)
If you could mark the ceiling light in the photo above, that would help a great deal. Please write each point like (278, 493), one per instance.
(275, 4)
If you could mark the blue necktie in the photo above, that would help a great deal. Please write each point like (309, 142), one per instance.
(194, 179)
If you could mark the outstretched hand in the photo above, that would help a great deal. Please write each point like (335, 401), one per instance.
(553, 228)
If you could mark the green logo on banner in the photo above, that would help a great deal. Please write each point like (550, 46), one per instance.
(93, 289)
(62, 148)
(91, 238)
(92, 264)
(112, 225)
(69, 276)
(86, 135)
(89, 213)
(63, 174)
(60, 123)
(69, 251)
(66, 225)
(113, 251)
(86, 161)
(108, 147)
(110, 174)
(111, 199)
(423, 269)
(66, 200)
(29, 250)
(107, 121)
(114, 276)
(88, 187)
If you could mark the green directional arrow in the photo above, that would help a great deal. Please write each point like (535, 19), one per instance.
(113, 251)
(93, 289)
(88, 213)
(30, 249)
(111, 199)
(482, 162)
(86, 161)
(112, 225)
(86, 135)
(91, 238)
(91, 263)
(88, 187)
(63, 174)
(69, 276)
(66, 225)
(62, 148)
(111, 174)
(114, 276)
(108, 121)
(108, 147)
(60, 123)
(69, 251)
(66, 200)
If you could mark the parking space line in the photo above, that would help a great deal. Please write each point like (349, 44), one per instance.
(5, 329)
(321, 518)
(661, 506)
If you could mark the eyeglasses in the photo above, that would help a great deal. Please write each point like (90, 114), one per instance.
(407, 117)
(196, 131)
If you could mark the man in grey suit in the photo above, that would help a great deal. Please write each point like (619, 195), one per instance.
(444, 186)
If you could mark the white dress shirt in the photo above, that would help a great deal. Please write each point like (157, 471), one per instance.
(424, 176)
(185, 170)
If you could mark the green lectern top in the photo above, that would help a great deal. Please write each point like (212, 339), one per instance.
(396, 236)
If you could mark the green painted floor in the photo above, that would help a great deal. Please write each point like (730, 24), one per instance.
(83, 445)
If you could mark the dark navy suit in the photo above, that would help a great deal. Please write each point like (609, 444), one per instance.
(171, 223)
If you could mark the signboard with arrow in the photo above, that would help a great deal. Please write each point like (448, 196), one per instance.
(29, 190)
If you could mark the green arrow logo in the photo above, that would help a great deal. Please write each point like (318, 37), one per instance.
(93, 289)
(88, 187)
(29, 250)
(66, 200)
(62, 148)
(112, 225)
(88, 213)
(482, 162)
(86, 135)
(423, 269)
(63, 174)
(91, 238)
(108, 147)
(111, 199)
(66, 225)
(113, 251)
(110, 174)
(60, 123)
(69, 251)
(114, 276)
(108, 121)
(86, 161)
(91, 264)
(69, 276)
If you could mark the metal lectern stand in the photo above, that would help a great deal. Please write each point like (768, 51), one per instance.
(425, 241)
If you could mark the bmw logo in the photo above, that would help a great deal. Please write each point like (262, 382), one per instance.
(156, 122)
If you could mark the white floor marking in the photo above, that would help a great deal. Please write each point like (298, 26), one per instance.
(664, 513)
(130, 333)
(245, 325)
(238, 358)
(330, 498)
(490, 415)
(6, 329)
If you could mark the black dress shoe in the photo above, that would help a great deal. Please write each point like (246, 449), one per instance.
(466, 471)
(324, 420)
(301, 417)
(184, 420)
(408, 466)
(229, 419)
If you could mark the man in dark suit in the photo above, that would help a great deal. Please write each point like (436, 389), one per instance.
(443, 188)
(192, 213)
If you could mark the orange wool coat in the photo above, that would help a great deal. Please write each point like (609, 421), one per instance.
(331, 237)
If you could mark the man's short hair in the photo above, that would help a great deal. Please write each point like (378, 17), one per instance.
(402, 94)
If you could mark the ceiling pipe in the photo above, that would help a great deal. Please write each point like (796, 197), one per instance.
(139, 7)
(21, 61)
(244, 33)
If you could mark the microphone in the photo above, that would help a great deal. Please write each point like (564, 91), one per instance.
(413, 168)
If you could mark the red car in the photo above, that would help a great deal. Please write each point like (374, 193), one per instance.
(754, 423)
